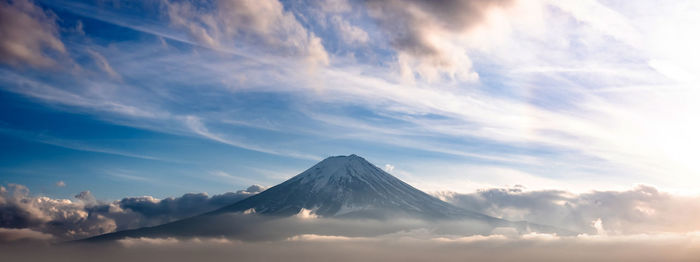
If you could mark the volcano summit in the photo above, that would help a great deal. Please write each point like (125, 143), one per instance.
(348, 186)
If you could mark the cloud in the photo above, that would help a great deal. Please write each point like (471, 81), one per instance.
(334, 6)
(103, 64)
(257, 24)
(80, 98)
(61, 218)
(60, 184)
(643, 209)
(563, 92)
(254, 189)
(426, 34)
(8, 235)
(29, 35)
(86, 197)
(85, 216)
(196, 125)
(306, 214)
(298, 239)
(351, 34)
(388, 168)
(408, 246)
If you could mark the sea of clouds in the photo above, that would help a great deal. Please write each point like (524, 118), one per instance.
(640, 224)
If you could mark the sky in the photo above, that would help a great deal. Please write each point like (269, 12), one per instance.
(163, 97)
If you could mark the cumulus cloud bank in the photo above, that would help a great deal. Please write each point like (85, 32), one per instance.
(62, 219)
(643, 209)
(308, 238)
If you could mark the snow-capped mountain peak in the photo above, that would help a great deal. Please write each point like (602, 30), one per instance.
(347, 186)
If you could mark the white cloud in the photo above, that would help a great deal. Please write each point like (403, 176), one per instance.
(103, 64)
(642, 210)
(234, 179)
(564, 82)
(256, 23)
(195, 124)
(388, 168)
(335, 6)
(351, 34)
(598, 225)
(87, 95)
(306, 214)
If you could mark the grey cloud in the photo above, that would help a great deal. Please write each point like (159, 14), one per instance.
(147, 211)
(9, 235)
(59, 217)
(228, 23)
(27, 34)
(85, 216)
(420, 31)
(86, 197)
(643, 209)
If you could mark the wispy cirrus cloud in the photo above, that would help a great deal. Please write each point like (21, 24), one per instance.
(543, 104)
(256, 23)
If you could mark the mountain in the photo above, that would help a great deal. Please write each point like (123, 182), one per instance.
(342, 188)
(348, 186)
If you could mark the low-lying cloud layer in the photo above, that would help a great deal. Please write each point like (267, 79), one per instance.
(407, 246)
(23, 216)
(643, 209)
(29, 223)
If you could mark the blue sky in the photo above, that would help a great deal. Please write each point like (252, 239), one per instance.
(165, 97)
